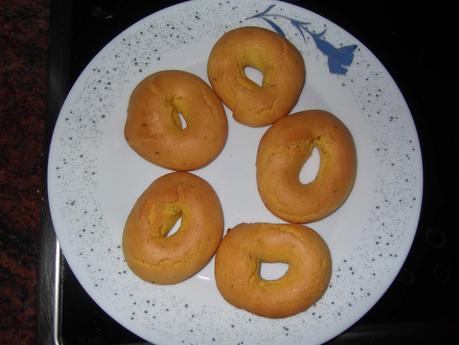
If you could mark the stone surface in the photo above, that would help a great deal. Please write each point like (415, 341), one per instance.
(23, 73)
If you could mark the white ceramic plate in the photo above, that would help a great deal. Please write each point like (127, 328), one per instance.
(95, 178)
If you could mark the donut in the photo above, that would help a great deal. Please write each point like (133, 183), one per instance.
(159, 259)
(274, 56)
(246, 246)
(154, 129)
(282, 152)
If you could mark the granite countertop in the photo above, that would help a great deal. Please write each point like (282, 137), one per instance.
(23, 80)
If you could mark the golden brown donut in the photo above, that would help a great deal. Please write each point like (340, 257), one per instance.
(282, 152)
(280, 62)
(246, 246)
(153, 126)
(157, 258)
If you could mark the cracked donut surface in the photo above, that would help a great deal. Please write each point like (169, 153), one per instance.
(274, 56)
(148, 251)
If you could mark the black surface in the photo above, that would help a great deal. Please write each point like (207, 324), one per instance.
(414, 45)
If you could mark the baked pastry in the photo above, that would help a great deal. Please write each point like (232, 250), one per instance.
(160, 259)
(247, 246)
(273, 55)
(155, 130)
(282, 152)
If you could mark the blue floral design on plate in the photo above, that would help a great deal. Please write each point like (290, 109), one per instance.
(338, 58)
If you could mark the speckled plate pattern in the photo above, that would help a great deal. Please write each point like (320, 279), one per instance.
(94, 177)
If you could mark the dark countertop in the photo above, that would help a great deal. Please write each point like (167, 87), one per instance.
(23, 80)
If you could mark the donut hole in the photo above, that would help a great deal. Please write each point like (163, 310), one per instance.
(273, 270)
(179, 120)
(254, 75)
(311, 167)
(171, 220)
(176, 227)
